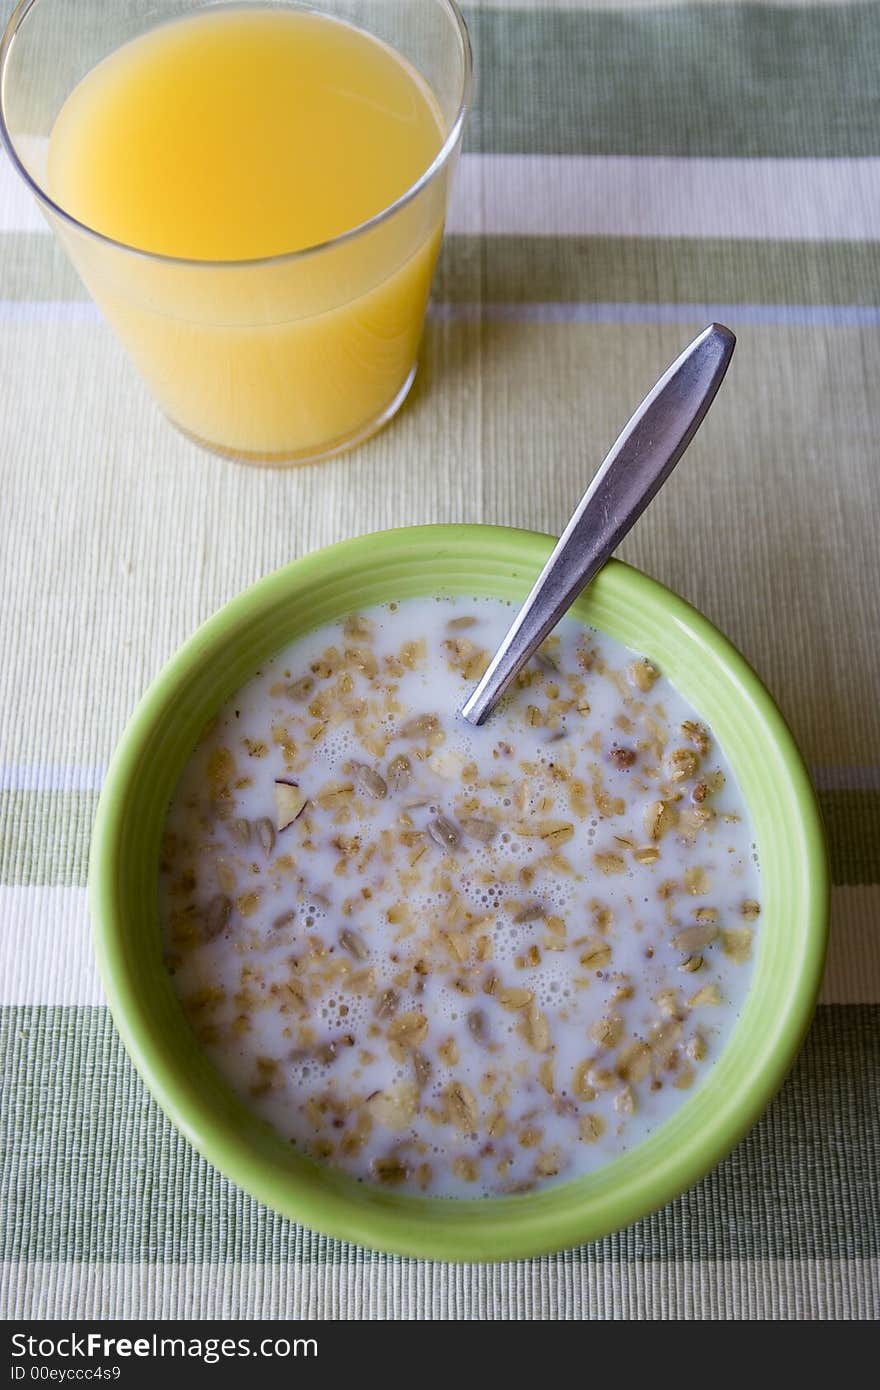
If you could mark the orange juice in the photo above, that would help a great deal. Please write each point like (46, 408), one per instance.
(230, 137)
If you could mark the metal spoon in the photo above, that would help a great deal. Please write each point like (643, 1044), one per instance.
(634, 471)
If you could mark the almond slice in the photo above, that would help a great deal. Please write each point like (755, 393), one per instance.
(289, 802)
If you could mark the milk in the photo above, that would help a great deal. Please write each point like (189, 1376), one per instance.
(586, 919)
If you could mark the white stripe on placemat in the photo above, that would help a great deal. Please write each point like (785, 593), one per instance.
(587, 5)
(585, 195)
(365, 1286)
(18, 208)
(597, 195)
(740, 315)
(46, 952)
(49, 311)
(15, 311)
(51, 777)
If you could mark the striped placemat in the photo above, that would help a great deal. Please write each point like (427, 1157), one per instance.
(631, 171)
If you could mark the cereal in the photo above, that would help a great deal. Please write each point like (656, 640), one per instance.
(369, 781)
(476, 1021)
(461, 1107)
(643, 675)
(694, 938)
(736, 942)
(456, 961)
(265, 832)
(591, 1127)
(354, 943)
(217, 916)
(442, 830)
(659, 817)
(409, 1030)
(482, 830)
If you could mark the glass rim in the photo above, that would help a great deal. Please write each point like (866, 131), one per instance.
(20, 13)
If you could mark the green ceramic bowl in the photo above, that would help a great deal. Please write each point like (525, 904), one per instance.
(457, 560)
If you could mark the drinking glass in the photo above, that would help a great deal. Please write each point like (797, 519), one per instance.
(286, 358)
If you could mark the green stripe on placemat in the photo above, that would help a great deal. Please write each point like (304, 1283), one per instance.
(536, 269)
(33, 267)
(95, 1172)
(541, 269)
(852, 825)
(708, 80)
(712, 80)
(44, 836)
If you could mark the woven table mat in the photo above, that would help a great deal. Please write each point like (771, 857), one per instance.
(630, 172)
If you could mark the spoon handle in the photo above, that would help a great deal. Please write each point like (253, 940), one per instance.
(635, 469)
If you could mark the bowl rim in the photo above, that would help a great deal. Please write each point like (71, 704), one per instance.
(530, 1230)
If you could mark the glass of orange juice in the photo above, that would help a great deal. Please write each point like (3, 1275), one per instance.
(254, 194)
